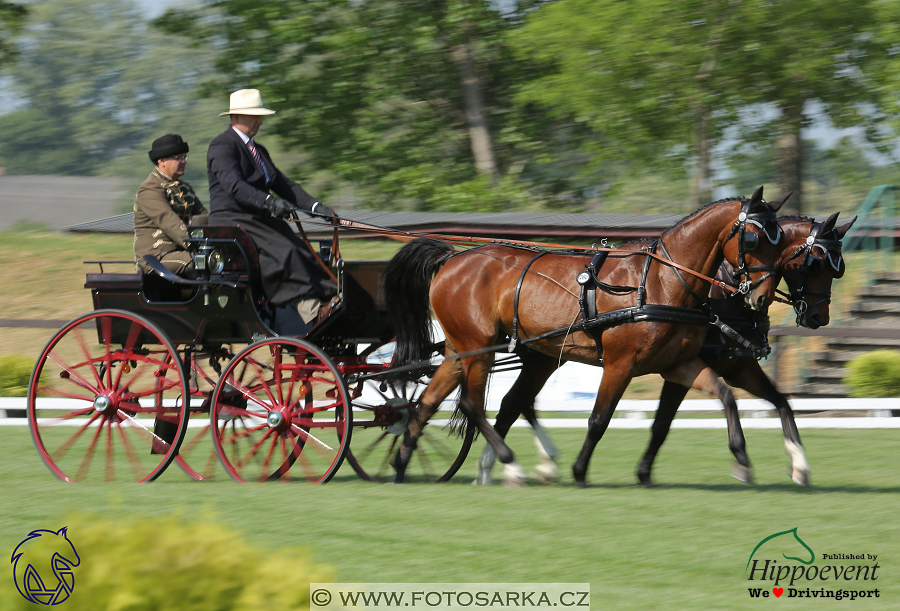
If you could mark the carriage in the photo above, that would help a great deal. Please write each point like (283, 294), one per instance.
(168, 369)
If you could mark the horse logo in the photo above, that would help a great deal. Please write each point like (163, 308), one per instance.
(42, 553)
(793, 531)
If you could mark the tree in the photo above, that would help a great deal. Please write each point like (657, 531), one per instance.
(11, 16)
(98, 85)
(647, 75)
(408, 100)
(795, 53)
(670, 76)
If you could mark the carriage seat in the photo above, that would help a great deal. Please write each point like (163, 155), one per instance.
(151, 286)
(113, 281)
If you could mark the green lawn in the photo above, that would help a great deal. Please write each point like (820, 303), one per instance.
(682, 545)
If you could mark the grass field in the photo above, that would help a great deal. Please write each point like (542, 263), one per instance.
(682, 545)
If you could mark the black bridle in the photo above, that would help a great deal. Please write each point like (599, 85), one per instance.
(832, 253)
(747, 242)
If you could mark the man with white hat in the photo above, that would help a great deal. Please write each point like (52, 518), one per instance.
(242, 179)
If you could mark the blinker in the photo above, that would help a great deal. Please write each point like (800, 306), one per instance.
(834, 258)
(751, 240)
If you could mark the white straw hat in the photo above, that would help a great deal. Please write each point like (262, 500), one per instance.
(247, 102)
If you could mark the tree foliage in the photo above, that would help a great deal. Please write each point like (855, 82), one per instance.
(97, 86)
(11, 16)
(390, 95)
(667, 75)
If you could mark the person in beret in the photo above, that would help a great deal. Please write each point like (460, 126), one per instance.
(163, 207)
(242, 181)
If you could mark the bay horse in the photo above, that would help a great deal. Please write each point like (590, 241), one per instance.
(809, 262)
(643, 319)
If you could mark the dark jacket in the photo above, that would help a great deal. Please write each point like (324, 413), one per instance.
(236, 182)
(237, 191)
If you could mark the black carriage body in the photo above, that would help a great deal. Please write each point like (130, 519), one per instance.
(231, 307)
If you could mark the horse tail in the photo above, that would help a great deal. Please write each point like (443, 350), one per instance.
(407, 280)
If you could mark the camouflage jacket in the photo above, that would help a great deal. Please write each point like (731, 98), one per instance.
(162, 210)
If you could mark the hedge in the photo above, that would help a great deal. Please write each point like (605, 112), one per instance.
(874, 374)
(15, 371)
(160, 564)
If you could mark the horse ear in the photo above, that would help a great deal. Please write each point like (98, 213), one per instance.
(841, 231)
(778, 203)
(757, 198)
(828, 225)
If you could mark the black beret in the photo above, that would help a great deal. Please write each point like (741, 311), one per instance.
(167, 146)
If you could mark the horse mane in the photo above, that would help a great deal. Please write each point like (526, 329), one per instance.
(797, 217)
(696, 212)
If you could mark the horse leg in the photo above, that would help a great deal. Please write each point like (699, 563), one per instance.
(696, 374)
(536, 370)
(754, 380)
(669, 401)
(471, 403)
(612, 387)
(447, 377)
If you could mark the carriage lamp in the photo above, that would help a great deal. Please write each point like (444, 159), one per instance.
(208, 260)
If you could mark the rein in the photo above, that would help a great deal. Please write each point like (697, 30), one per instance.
(467, 240)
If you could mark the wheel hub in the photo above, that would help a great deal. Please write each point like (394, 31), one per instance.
(275, 419)
(102, 403)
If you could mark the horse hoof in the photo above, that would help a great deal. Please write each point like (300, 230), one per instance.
(547, 473)
(742, 474)
(644, 478)
(514, 475)
(801, 478)
(483, 481)
(581, 483)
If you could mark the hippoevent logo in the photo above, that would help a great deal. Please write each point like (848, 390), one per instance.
(42, 566)
(783, 564)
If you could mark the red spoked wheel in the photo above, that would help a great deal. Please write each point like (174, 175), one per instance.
(281, 412)
(196, 455)
(382, 413)
(108, 409)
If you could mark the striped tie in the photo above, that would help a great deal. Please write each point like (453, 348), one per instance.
(258, 160)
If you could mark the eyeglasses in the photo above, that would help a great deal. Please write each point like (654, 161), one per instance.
(179, 158)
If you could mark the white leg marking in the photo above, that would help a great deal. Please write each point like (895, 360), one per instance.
(484, 466)
(547, 471)
(514, 474)
(799, 467)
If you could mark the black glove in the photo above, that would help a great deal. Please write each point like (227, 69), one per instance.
(278, 207)
(325, 212)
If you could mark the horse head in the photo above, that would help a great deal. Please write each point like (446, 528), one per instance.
(45, 553)
(751, 248)
(811, 260)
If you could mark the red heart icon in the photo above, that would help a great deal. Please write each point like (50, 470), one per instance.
(778, 591)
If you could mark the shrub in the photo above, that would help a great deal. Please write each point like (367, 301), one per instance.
(874, 374)
(156, 564)
(15, 372)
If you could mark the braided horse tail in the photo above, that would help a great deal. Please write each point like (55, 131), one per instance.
(407, 280)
